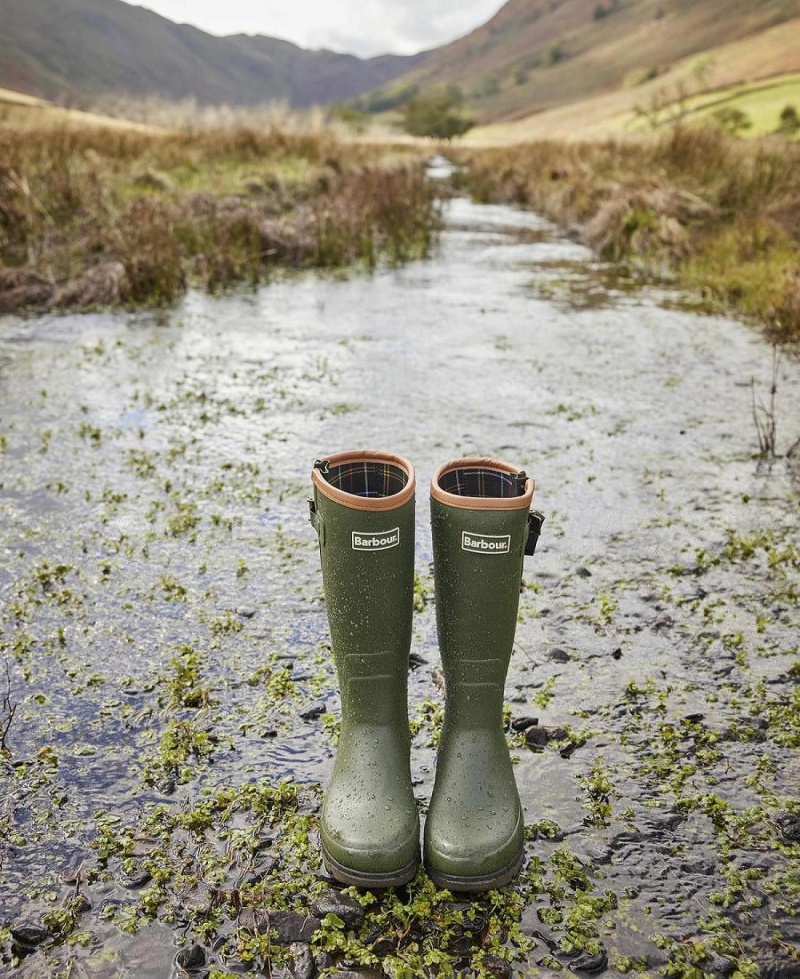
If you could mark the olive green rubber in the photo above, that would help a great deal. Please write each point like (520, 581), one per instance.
(474, 829)
(370, 825)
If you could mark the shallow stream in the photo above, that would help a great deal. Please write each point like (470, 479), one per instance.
(157, 566)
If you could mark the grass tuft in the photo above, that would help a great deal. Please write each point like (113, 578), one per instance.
(92, 217)
(722, 215)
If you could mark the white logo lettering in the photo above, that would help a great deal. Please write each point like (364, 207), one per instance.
(375, 540)
(485, 543)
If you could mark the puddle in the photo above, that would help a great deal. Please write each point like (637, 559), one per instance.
(154, 543)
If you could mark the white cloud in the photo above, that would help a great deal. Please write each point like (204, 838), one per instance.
(362, 27)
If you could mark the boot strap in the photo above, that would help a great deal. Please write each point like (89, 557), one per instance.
(314, 517)
(535, 521)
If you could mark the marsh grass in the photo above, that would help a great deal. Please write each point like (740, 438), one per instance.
(723, 215)
(92, 217)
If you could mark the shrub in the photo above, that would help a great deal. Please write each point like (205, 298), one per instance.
(789, 123)
(436, 115)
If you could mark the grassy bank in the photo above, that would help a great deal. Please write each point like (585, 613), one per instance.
(92, 216)
(722, 216)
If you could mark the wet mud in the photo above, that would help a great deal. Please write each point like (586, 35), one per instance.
(163, 643)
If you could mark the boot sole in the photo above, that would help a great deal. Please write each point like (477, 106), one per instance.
(360, 878)
(485, 882)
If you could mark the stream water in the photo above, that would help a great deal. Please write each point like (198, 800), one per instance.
(154, 470)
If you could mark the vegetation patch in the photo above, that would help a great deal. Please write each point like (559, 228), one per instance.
(721, 216)
(95, 217)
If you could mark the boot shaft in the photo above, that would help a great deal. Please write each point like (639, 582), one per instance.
(479, 522)
(363, 510)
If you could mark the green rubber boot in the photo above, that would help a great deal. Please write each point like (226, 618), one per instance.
(481, 532)
(363, 510)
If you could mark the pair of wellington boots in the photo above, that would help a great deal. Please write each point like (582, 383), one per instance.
(482, 526)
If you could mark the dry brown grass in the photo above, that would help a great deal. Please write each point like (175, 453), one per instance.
(94, 217)
(723, 216)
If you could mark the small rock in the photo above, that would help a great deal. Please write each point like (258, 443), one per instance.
(789, 826)
(415, 661)
(590, 962)
(81, 904)
(590, 852)
(191, 960)
(498, 967)
(135, 879)
(617, 654)
(523, 723)
(292, 927)
(28, 934)
(344, 907)
(314, 711)
(76, 873)
(322, 960)
(301, 962)
(558, 655)
(245, 612)
(536, 737)
(583, 572)
(719, 965)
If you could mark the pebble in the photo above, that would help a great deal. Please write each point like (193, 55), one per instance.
(28, 934)
(590, 962)
(135, 879)
(558, 655)
(415, 661)
(789, 826)
(301, 962)
(314, 711)
(344, 907)
(536, 737)
(245, 612)
(292, 927)
(590, 852)
(522, 723)
(498, 967)
(191, 960)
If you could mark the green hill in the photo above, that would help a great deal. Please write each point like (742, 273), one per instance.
(536, 55)
(76, 50)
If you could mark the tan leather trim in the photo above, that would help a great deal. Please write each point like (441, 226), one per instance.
(376, 503)
(481, 502)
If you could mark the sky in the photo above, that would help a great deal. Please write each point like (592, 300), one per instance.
(361, 27)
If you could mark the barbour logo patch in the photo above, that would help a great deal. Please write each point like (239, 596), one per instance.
(485, 543)
(375, 540)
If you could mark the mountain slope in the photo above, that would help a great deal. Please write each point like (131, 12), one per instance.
(79, 49)
(535, 55)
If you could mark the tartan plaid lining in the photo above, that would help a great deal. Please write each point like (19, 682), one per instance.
(480, 483)
(370, 479)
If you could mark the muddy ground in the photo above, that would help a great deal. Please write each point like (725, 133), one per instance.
(167, 700)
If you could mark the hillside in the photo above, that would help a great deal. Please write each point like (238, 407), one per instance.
(537, 55)
(76, 50)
